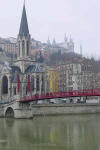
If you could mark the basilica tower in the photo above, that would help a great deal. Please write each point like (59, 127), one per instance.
(23, 36)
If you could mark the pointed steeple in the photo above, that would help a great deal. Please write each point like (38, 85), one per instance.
(54, 42)
(65, 38)
(24, 31)
(48, 42)
(70, 39)
(24, 36)
(81, 50)
(24, 2)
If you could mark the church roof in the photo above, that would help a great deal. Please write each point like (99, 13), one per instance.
(34, 69)
(15, 69)
(24, 31)
(14, 78)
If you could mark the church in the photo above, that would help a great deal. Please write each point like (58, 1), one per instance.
(25, 76)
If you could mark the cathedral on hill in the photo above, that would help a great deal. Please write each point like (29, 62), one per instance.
(66, 47)
(25, 76)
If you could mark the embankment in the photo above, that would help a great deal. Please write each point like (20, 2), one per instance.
(65, 109)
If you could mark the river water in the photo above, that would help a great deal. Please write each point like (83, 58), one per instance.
(81, 132)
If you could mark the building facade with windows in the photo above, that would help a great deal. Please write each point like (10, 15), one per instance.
(78, 75)
(53, 79)
(70, 77)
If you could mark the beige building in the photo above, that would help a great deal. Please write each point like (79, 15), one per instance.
(9, 48)
(70, 77)
(77, 75)
(97, 81)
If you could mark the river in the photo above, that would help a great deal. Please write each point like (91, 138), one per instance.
(80, 132)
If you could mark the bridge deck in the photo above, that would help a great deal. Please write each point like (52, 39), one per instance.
(75, 93)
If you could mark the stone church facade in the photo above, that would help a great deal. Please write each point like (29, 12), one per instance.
(25, 76)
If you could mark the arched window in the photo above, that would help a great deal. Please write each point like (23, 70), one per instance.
(14, 90)
(19, 48)
(32, 84)
(23, 47)
(26, 90)
(27, 47)
(5, 85)
(37, 83)
(42, 86)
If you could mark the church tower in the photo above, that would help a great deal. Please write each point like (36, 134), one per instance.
(24, 60)
(23, 36)
(65, 39)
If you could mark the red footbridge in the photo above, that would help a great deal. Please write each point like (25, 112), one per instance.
(70, 94)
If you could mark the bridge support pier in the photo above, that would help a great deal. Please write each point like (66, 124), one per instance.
(18, 110)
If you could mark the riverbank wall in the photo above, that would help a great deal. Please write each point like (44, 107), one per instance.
(25, 111)
(65, 109)
(1, 112)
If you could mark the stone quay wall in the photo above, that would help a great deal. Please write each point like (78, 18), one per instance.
(1, 112)
(25, 111)
(65, 109)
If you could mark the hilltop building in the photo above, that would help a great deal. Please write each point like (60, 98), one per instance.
(66, 47)
(9, 46)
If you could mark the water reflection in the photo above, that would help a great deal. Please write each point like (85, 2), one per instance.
(56, 133)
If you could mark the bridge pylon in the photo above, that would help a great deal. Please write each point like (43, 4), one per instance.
(17, 110)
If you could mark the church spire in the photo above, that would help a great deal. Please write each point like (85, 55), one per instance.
(81, 50)
(24, 2)
(24, 36)
(24, 31)
(65, 38)
(48, 41)
(54, 42)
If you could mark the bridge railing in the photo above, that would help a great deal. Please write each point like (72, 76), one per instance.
(75, 93)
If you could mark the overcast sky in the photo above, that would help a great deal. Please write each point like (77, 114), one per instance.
(54, 18)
